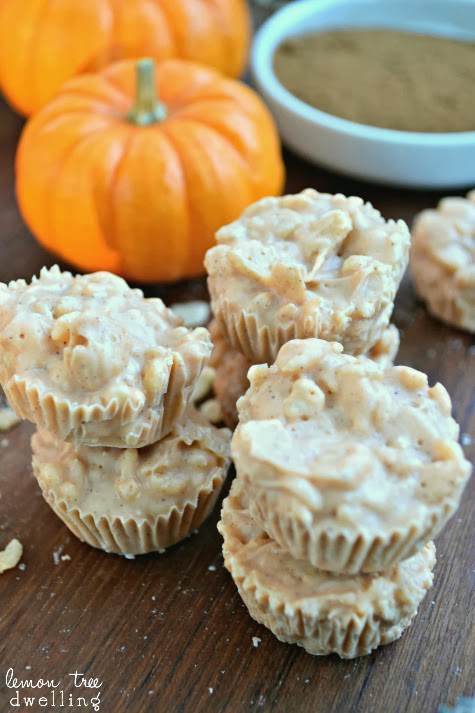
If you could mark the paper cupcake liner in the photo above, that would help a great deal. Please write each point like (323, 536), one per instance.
(325, 613)
(253, 339)
(357, 637)
(261, 343)
(341, 550)
(132, 536)
(115, 424)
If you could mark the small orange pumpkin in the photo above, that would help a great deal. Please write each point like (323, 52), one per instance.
(45, 42)
(140, 188)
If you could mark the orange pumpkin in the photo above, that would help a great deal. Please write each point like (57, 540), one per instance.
(45, 42)
(141, 188)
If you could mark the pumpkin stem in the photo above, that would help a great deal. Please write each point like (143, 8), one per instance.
(147, 109)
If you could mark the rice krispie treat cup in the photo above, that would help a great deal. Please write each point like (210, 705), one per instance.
(230, 384)
(135, 501)
(93, 361)
(443, 260)
(323, 612)
(348, 465)
(231, 368)
(307, 265)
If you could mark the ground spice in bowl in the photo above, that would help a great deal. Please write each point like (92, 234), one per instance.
(385, 78)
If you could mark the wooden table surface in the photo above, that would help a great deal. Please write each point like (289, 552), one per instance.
(169, 632)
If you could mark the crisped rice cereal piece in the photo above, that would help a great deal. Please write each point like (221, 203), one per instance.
(135, 501)
(11, 555)
(306, 265)
(92, 361)
(443, 260)
(323, 612)
(348, 465)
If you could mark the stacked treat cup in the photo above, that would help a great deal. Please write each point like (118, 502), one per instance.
(107, 377)
(306, 265)
(347, 466)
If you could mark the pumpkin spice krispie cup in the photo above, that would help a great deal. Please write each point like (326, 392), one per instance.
(443, 260)
(348, 465)
(93, 361)
(230, 381)
(323, 612)
(230, 384)
(231, 368)
(133, 501)
(303, 266)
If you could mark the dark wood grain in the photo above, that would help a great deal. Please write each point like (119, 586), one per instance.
(166, 632)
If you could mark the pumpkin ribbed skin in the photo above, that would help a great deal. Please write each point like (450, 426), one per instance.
(145, 202)
(45, 42)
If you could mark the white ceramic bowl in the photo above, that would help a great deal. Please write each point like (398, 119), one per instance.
(384, 155)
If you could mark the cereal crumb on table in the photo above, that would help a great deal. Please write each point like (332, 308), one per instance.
(11, 555)
(8, 419)
(256, 641)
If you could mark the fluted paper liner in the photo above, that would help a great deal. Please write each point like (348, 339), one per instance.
(340, 550)
(325, 613)
(119, 423)
(133, 501)
(260, 344)
(256, 341)
(132, 536)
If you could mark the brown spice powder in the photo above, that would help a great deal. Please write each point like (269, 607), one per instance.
(394, 80)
